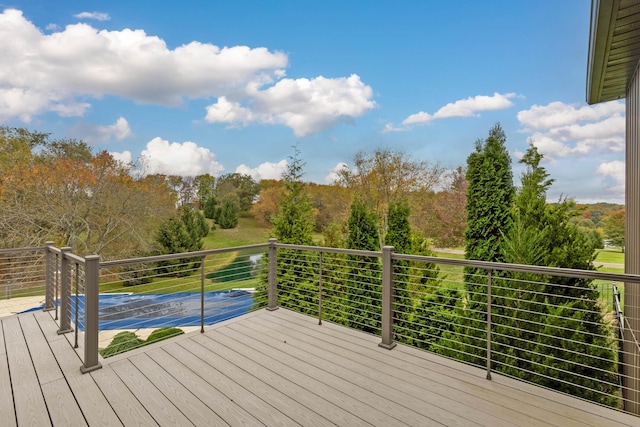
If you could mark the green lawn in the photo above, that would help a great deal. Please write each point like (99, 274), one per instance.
(248, 232)
(610, 255)
(177, 284)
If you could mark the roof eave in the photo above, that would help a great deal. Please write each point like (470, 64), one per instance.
(600, 34)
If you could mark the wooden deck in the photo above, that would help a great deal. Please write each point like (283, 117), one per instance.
(265, 368)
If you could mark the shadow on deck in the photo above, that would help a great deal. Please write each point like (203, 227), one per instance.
(265, 368)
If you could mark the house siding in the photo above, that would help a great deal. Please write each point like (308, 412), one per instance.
(632, 241)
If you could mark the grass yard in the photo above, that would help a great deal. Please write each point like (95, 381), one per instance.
(610, 255)
(248, 232)
(166, 285)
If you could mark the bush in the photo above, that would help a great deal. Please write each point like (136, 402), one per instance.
(123, 341)
(163, 334)
(126, 340)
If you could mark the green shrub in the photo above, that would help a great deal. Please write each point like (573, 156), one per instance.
(162, 334)
(123, 341)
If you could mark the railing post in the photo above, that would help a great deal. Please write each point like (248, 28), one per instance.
(387, 299)
(65, 292)
(320, 288)
(91, 307)
(489, 282)
(77, 282)
(202, 277)
(49, 279)
(272, 302)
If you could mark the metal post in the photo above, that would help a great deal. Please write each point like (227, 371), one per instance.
(202, 295)
(320, 289)
(489, 280)
(387, 299)
(272, 303)
(49, 280)
(91, 307)
(65, 292)
(77, 280)
(56, 283)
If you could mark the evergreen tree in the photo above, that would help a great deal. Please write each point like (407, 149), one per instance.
(490, 196)
(399, 236)
(294, 224)
(209, 207)
(228, 216)
(551, 333)
(364, 274)
(182, 233)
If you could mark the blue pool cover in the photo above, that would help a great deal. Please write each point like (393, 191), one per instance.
(133, 311)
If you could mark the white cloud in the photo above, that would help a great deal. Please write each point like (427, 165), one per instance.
(615, 172)
(561, 130)
(266, 170)
(334, 173)
(63, 70)
(416, 118)
(464, 108)
(305, 105)
(558, 114)
(124, 157)
(92, 133)
(224, 111)
(184, 159)
(52, 27)
(390, 128)
(98, 16)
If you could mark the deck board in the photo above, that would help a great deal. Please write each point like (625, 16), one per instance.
(269, 393)
(95, 408)
(446, 390)
(266, 368)
(129, 409)
(62, 405)
(224, 407)
(7, 411)
(243, 357)
(395, 398)
(30, 407)
(158, 405)
(299, 372)
(199, 361)
(424, 366)
(184, 400)
(45, 363)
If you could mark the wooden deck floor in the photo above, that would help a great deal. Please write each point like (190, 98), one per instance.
(265, 368)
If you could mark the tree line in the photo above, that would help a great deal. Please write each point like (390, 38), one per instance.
(60, 191)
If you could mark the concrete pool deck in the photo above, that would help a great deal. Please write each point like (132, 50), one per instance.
(9, 307)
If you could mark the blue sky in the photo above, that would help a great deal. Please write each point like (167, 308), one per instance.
(230, 86)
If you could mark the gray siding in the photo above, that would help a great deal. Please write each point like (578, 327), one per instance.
(632, 241)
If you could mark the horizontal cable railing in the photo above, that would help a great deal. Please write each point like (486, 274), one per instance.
(143, 300)
(554, 327)
(562, 329)
(22, 273)
(345, 289)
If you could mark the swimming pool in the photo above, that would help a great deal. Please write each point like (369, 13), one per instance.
(134, 311)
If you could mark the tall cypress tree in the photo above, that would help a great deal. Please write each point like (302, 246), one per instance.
(551, 331)
(294, 224)
(399, 236)
(490, 196)
(364, 278)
